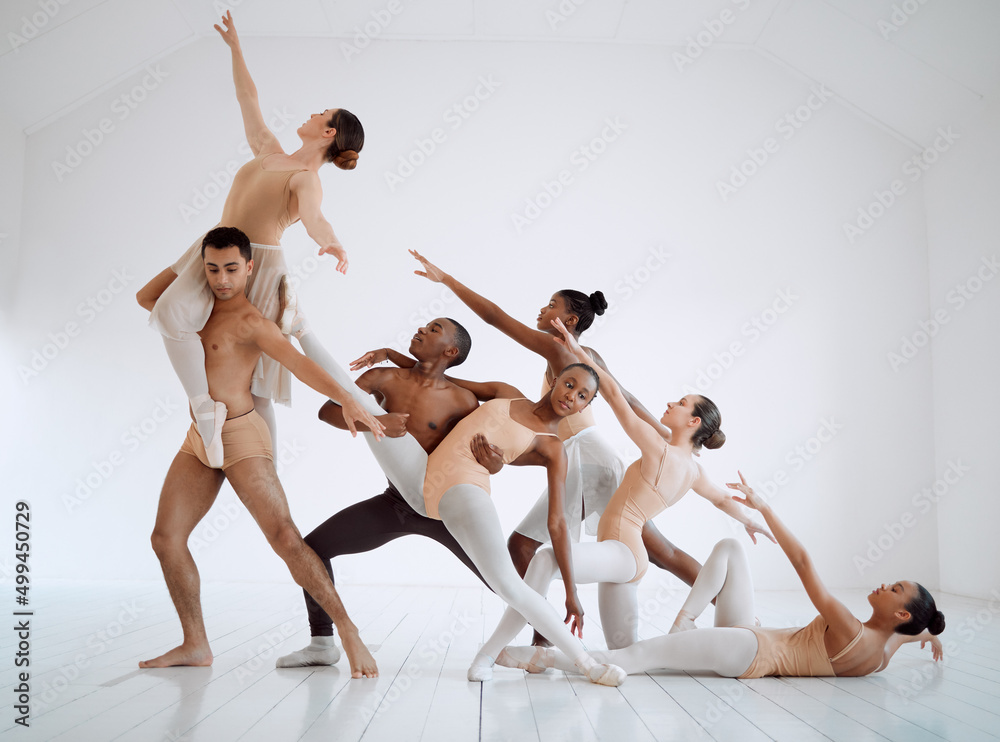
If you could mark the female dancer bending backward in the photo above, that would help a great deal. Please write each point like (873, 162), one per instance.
(595, 468)
(456, 491)
(834, 643)
(658, 479)
(269, 193)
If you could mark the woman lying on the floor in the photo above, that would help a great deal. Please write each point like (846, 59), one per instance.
(834, 643)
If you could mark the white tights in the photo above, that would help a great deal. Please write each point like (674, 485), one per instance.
(724, 650)
(609, 563)
(470, 516)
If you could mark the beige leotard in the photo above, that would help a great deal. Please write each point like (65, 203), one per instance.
(637, 500)
(578, 421)
(795, 652)
(258, 202)
(452, 462)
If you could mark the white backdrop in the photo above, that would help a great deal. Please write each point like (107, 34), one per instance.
(756, 296)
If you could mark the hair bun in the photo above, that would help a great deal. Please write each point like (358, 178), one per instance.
(598, 302)
(936, 626)
(715, 440)
(346, 159)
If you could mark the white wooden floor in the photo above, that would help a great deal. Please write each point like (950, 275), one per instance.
(87, 638)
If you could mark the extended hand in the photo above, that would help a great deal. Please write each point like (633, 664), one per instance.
(354, 412)
(753, 528)
(229, 34)
(570, 342)
(338, 251)
(369, 359)
(751, 499)
(430, 271)
(489, 456)
(574, 615)
(936, 648)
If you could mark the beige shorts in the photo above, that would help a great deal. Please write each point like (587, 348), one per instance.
(243, 437)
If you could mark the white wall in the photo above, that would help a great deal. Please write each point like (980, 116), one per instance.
(821, 365)
(962, 225)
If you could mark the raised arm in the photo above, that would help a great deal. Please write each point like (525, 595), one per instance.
(843, 625)
(642, 434)
(637, 407)
(259, 137)
(269, 339)
(534, 340)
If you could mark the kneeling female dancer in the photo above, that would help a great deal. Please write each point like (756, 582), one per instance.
(618, 561)
(595, 468)
(834, 643)
(271, 192)
(456, 491)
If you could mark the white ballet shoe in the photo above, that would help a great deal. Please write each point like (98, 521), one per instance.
(535, 665)
(312, 655)
(290, 321)
(217, 414)
(683, 622)
(481, 669)
(610, 675)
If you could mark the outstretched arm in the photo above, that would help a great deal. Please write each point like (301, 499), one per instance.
(333, 414)
(381, 355)
(721, 498)
(898, 640)
(842, 623)
(269, 339)
(259, 137)
(309, 192)
(487, 390)
(642, 434)
(637, 407)
(534, 340)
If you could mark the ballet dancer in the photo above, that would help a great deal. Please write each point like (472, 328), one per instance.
(234, 336)
(270, 193)
(595, 468)
(424, 406)
(659, 478)
(456, 491)
(834, 643)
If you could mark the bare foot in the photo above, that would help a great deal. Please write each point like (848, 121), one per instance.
(362, 663)
(182, 655)
(537, 640)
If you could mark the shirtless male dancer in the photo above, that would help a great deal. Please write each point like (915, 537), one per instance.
(234, 337)
(421, 401)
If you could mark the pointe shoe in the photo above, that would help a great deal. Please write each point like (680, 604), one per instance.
(481, 669)
(290, 322)
(610, 675)
(535, 665)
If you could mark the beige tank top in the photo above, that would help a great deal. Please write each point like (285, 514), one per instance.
(452, 462)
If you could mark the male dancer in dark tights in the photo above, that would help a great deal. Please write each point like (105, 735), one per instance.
(423, 406)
